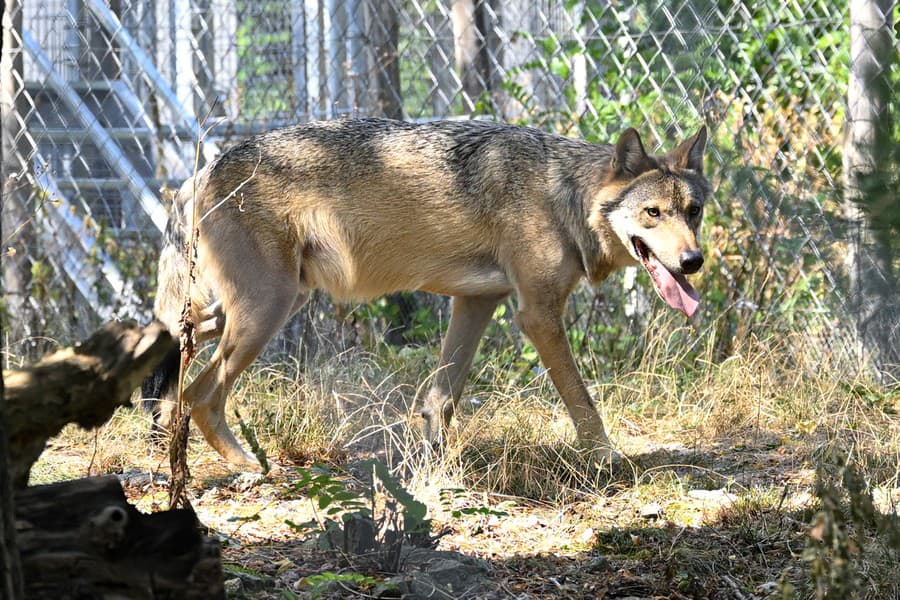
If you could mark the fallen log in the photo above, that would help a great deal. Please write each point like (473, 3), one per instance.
(81, 539)
(83, 384)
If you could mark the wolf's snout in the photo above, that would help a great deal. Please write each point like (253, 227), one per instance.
(691, 261)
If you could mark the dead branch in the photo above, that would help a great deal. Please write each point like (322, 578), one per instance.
(83, 385)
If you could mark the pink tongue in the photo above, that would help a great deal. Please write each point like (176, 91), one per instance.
(673, 288)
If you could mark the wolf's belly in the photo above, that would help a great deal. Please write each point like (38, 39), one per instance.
(363, 278)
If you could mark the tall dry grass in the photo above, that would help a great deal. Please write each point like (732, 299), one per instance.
(754, 427)
(512, 435)
(514, 438)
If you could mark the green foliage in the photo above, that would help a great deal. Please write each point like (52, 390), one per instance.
(135, 259)
(849, 541)
(450, 497)
(321, 582)
(42, 275)
(413, 512)
(261, 35)
(253, 442)
(357, 524)
(792, 54)
(418, 321)
(329, 494)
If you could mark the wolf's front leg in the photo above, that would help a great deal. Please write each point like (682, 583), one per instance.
(542, 323)
(469, 317)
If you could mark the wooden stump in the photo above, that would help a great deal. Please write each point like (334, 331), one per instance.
(81, 539)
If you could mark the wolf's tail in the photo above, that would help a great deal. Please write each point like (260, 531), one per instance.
(159, 387)
(161, 382)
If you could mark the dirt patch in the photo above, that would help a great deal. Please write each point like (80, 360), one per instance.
(683, 527)
(685, 516)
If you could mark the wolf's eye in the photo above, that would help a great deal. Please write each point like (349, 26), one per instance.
(653, 211)
(694, 211)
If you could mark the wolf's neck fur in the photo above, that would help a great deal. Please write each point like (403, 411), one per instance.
(580, 172)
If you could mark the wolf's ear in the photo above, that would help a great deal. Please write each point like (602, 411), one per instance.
(629, 156)
(689, 155)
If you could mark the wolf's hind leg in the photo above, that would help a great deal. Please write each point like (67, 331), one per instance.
(159, 391)
(251, 322)
(211, 322)
(468, 319)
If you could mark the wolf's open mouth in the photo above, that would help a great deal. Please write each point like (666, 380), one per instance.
(671, 287)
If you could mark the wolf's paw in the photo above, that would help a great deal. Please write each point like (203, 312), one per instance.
(247, 480)
(605, 457)
(600, 449)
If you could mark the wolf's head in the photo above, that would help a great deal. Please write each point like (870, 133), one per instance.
(656, 212)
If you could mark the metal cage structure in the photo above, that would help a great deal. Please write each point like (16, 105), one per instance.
(109, 105)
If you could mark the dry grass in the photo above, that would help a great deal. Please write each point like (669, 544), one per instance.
(715, 490)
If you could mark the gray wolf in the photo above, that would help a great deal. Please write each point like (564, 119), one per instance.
(472, 209)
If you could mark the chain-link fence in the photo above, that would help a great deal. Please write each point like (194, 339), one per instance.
(103, 102)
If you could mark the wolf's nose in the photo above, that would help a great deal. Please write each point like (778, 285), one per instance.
(691, 261)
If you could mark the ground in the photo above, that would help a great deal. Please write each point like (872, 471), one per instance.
(717, 498)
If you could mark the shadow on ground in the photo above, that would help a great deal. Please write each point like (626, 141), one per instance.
(730, 522)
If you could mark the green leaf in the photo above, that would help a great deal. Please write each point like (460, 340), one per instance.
(253, 517)
(302, 527)
(414, 512)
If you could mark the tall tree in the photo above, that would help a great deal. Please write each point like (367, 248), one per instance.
(11, 584)
(475, 48)
(870, 154)
(206, 98)
(14, 186)
(384, 34)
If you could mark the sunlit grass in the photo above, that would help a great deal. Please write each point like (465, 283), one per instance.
(724, 449)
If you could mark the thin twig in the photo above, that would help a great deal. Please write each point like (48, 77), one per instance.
(231, 194)
(734, 587)
(47, 198)
(180, 472)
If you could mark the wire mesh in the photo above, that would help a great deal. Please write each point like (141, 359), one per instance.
(104, 101)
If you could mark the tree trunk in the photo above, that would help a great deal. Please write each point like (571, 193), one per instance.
(440, 62)
(358, 77)
(475, 49)
(207, 101)
(335, 18)
(10, 568)
(15, 186)
(384, 33)
(868, 152)
(83, 535)
(11, 585)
